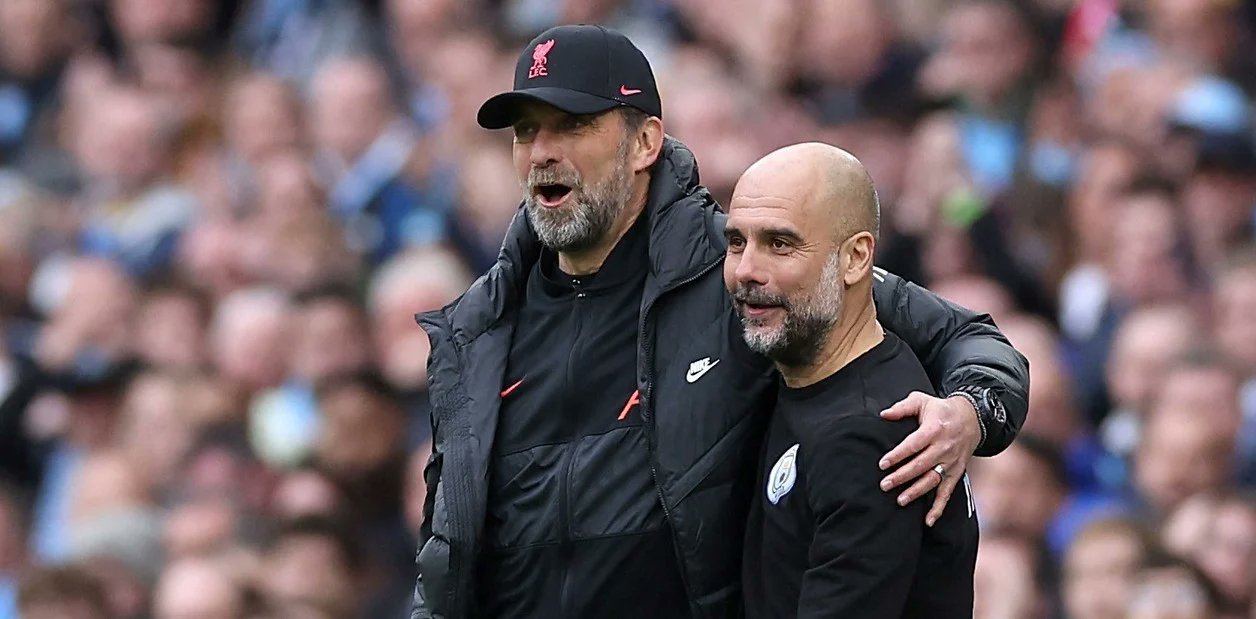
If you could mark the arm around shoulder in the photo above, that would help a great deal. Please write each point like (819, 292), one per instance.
(961, 350)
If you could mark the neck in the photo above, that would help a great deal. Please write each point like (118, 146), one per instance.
(855, 334)
(589, 260)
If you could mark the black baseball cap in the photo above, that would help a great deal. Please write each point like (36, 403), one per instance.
(580, 70)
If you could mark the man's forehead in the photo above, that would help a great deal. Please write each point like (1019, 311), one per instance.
(779, 200)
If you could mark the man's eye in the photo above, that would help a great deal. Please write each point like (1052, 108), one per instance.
(779, 245)
(571, 123)
(736, 243)
(524, 132)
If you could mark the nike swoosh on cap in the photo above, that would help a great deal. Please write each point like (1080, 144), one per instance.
(625, 91)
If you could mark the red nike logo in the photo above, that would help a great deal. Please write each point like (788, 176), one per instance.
(633, 400)
(625, 91)
(509, 390)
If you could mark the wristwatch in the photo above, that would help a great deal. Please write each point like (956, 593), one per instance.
(989, 407)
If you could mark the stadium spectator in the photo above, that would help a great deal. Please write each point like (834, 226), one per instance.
(1101, 567)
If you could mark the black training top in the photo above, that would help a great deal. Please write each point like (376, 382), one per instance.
(574, 525)
(823, 540)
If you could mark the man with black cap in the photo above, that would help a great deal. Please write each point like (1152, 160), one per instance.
(596, 413)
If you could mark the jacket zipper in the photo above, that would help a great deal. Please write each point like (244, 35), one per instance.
(564, 505)
(647, 414)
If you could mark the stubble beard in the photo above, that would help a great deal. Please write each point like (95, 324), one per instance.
(591, 211)
(799, 338)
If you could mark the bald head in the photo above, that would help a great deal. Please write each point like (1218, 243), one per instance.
(829, 185)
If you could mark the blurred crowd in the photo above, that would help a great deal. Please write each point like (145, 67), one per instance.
(219, 217)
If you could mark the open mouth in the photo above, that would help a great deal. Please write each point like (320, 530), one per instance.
(755, 310)
(552, 195)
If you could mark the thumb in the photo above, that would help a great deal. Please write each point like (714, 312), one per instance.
(909, 406)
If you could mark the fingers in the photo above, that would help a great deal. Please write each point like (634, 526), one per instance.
(923, 485)
(945, 489)
(916, 467)
(915, 442)
(909, 406)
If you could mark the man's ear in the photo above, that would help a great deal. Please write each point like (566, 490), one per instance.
(860, 251)
(648, 143)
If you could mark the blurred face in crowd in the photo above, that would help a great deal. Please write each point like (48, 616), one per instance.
(250, 339)
(1016, 493)
(351, 107)
(701, 121)
(1104, 171)
(287, 190)
(361, 431)
(1235, 302)
(156, 434)
(179, 78)
(462, 91)
(1055, 415)
(331, 338)
(173, 336)
(306, 493)
(200, 526)
(306, 575)
(1131, 103)
(1099, 571)
(120, 143)
(1004, 583)
(197, 589)
(263, 116)
(1180, 456)
(1226, 551)
(1146, 344)
(32, 35)
(1210, 392)
(413, 26)
(935, 168)
(1169, 593)
(575, 173)
(95, 314)
(980, 294)
(1145, 263)
(843, 42)
(108, 481)
(1218, 207)
(489, 196)
(986, 48)
(161, 20)
(410, 283)
(1201, 31)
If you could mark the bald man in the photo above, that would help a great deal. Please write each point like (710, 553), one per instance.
(822, 539)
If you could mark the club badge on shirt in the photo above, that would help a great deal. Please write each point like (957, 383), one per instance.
(784, 472)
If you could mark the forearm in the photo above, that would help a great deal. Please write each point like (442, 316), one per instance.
(958, 348)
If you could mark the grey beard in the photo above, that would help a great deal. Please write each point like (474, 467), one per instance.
(808, 321)
(591, 212)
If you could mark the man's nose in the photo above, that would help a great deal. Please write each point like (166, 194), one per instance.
(750, 268)
(546, 148)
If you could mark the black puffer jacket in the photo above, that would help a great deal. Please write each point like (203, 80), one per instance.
(704, 435)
